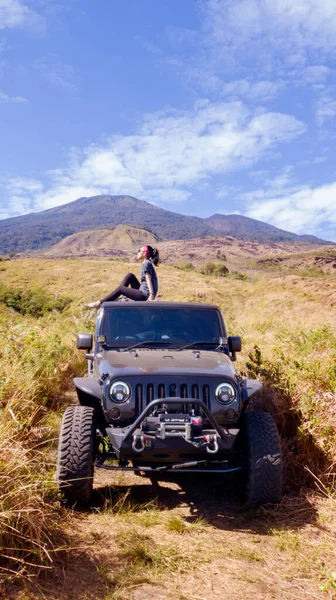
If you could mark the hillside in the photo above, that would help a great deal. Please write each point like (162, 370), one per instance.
(243, 255)
(321, 260)
(119, 242)
(38, 231)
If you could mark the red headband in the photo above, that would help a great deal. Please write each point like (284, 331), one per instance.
(147, 252)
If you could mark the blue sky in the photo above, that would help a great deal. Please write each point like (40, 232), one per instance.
(199, 106)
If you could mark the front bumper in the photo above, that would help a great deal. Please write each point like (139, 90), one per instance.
(171, 443)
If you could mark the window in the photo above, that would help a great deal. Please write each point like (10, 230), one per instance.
(177, 325)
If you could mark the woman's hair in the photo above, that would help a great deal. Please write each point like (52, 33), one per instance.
(153, 254)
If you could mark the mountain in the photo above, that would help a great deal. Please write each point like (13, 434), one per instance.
(41, 230)
(245, 228)
(38, 231)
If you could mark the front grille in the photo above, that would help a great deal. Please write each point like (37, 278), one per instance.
(144, 394)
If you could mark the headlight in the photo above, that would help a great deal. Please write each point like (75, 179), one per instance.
(225, 393)
(120, 392)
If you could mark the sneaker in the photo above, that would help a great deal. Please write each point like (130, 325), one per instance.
(93, 304)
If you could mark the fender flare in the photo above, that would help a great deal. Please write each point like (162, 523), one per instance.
(251, 387)
(90, 393)
(88, 387)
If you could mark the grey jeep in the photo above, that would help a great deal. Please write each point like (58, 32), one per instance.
(162, 395)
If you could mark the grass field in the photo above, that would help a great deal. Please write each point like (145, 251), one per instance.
(288, 327)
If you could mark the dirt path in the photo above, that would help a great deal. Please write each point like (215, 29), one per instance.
(190, 540)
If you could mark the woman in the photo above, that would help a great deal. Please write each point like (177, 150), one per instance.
(130, 286)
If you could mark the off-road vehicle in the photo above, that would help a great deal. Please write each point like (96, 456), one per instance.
(162, 395)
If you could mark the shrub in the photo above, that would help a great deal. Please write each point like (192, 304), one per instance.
(188, 266)
(300, 391)
(239, 276)
(211, 268)
(221, 271)
(208, 268)
(220, 255)
(32, 302)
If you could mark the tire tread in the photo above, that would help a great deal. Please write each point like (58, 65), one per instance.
(74, 471)
(264, 483)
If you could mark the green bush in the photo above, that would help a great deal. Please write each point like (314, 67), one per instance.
(220, 255)
(239, 276)
(208, 268)
(35, 303)
(211, 268)
(221, 271)
(188, 266)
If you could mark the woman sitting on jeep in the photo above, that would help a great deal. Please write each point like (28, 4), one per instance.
(131, 287)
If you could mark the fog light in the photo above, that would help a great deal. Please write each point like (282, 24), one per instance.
(230, 414)
(115, 413)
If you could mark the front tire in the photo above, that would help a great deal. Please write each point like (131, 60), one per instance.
(263, 483)
(76, 450)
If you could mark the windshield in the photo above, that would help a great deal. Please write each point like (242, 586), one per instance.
(178, 326)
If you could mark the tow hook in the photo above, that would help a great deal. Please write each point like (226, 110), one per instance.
(212, 444)
(138, 439)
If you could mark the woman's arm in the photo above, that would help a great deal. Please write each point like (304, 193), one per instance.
(150, 287)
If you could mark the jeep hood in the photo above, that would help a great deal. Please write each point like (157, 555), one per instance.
(146, 361)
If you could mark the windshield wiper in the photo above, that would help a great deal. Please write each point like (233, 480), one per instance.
(106, 346)
(199, 343)
(151, 342)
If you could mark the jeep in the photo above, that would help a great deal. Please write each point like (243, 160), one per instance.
(162, 395)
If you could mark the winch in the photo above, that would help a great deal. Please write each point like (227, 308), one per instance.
(166, 425)
(163, 425)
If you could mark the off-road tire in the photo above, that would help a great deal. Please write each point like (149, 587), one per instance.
(263, 483)
(75, 459)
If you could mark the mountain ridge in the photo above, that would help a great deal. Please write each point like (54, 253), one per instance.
(41, 230)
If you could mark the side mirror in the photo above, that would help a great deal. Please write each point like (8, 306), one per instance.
(84, 341)
(235, 344)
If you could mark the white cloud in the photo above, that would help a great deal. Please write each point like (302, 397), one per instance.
(283, 26)
(19, 195)
(253, 91)
(19, 185)
(173, 153)
(256, 91)
(325, 108)
(316, 74)
(5, 99)
(56, 73)
(276, 42)
(3, 46)
(302, 209)
(17, 14)
(64, 194)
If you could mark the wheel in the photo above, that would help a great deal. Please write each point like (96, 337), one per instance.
(263, 483)
(76, 450)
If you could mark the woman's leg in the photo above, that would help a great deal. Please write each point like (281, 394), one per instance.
(131, 280)
(123, 290)
(132, 292)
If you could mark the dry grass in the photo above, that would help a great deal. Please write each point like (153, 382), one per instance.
(29, 519)
(289, 318)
